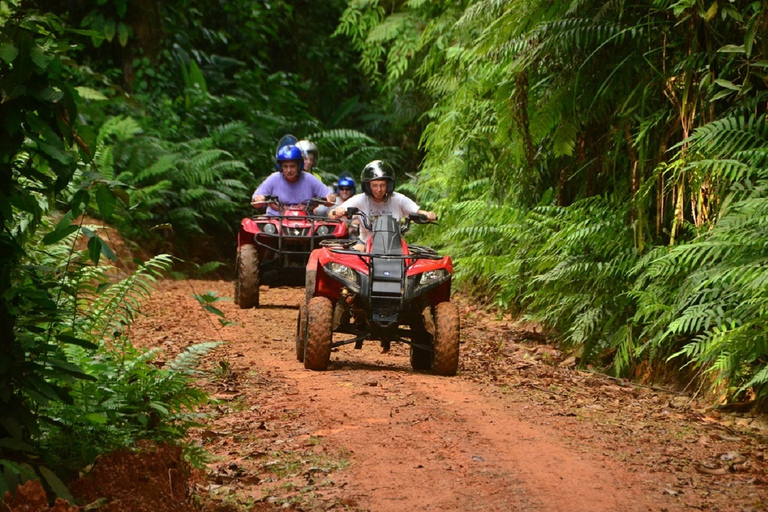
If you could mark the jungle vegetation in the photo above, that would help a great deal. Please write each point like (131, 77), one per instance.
(598, 167)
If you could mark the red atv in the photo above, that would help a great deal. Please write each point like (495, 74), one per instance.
(391, 292)
(274, 249)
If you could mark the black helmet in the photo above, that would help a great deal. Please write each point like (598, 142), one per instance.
(377, 170)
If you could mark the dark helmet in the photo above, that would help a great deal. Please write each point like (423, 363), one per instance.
(377, 170)
(290, 153)
(347, 181)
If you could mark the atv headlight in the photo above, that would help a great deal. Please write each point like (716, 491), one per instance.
(269, 229)
(323, 230)
(344, 274)
(431, 276)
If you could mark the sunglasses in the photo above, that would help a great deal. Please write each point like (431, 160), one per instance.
(345, 188)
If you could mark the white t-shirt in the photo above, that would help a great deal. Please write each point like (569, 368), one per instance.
(397, 205)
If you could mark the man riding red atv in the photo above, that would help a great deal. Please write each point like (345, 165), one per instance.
(388, 291)
(274, 248)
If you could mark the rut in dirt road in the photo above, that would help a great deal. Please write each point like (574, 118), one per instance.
(371, 434)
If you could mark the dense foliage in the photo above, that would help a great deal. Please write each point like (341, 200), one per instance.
(160, 118)
(600, 167)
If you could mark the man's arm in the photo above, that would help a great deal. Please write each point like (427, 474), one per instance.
(430, 215)
(341, 210)
(337, 212)
(266, 188)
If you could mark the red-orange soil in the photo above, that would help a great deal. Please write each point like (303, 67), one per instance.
(516, 429)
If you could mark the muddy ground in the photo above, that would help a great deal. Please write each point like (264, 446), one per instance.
(518, 429)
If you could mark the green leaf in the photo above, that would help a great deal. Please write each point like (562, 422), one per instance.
(106, 250)
(8, 52)
(121, 6)
(56, 484)
(196, 77)
(721, 94)
(63, 229)
(106, 201)
(159, 408)
(73, 340)
(90, 94)
(727, 84)
(39, 57)
(55, 236)
(712, 11)
(732, 48)
(109, 29)
(14, 444)
(70, 369)
(94, 249)
(95, 418)
(213, 310)
(123, 33)
(749, 37)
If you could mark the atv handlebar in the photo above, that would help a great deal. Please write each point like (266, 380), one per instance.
(320, 201)
(415, 218)
(268, 199)
(310, 205)
(420, 218)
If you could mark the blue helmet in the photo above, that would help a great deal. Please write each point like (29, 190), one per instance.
(289, 153)
(346, 181)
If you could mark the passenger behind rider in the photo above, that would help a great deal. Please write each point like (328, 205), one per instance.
(378, 198)
(290, 184)
(311, 156)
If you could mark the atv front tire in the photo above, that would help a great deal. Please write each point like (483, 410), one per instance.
(445, 359)
(301, 332)
(319, 322)
(247, 279)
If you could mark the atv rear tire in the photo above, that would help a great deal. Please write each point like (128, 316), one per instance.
(247, 279)
(301, 332)
(445, 358)
(319, 321)
(421, 359)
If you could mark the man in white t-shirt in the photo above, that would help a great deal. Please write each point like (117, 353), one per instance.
(378, 198)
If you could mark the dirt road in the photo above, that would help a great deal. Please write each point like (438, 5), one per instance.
(517, 429)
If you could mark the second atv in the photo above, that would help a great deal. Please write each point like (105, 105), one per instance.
(274, 249)
(390, 292)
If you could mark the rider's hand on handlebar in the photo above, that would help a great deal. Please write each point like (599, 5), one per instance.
(321, 201)
(422, 217)
(339, 212)
(259, 200)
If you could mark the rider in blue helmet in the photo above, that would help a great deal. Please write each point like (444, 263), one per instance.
(289, 153)
(345, 188)
(290, 184)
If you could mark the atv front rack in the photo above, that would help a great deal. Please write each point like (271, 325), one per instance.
(413, 256)
(293, 235)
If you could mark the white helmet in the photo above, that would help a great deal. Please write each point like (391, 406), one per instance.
(308, 147)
